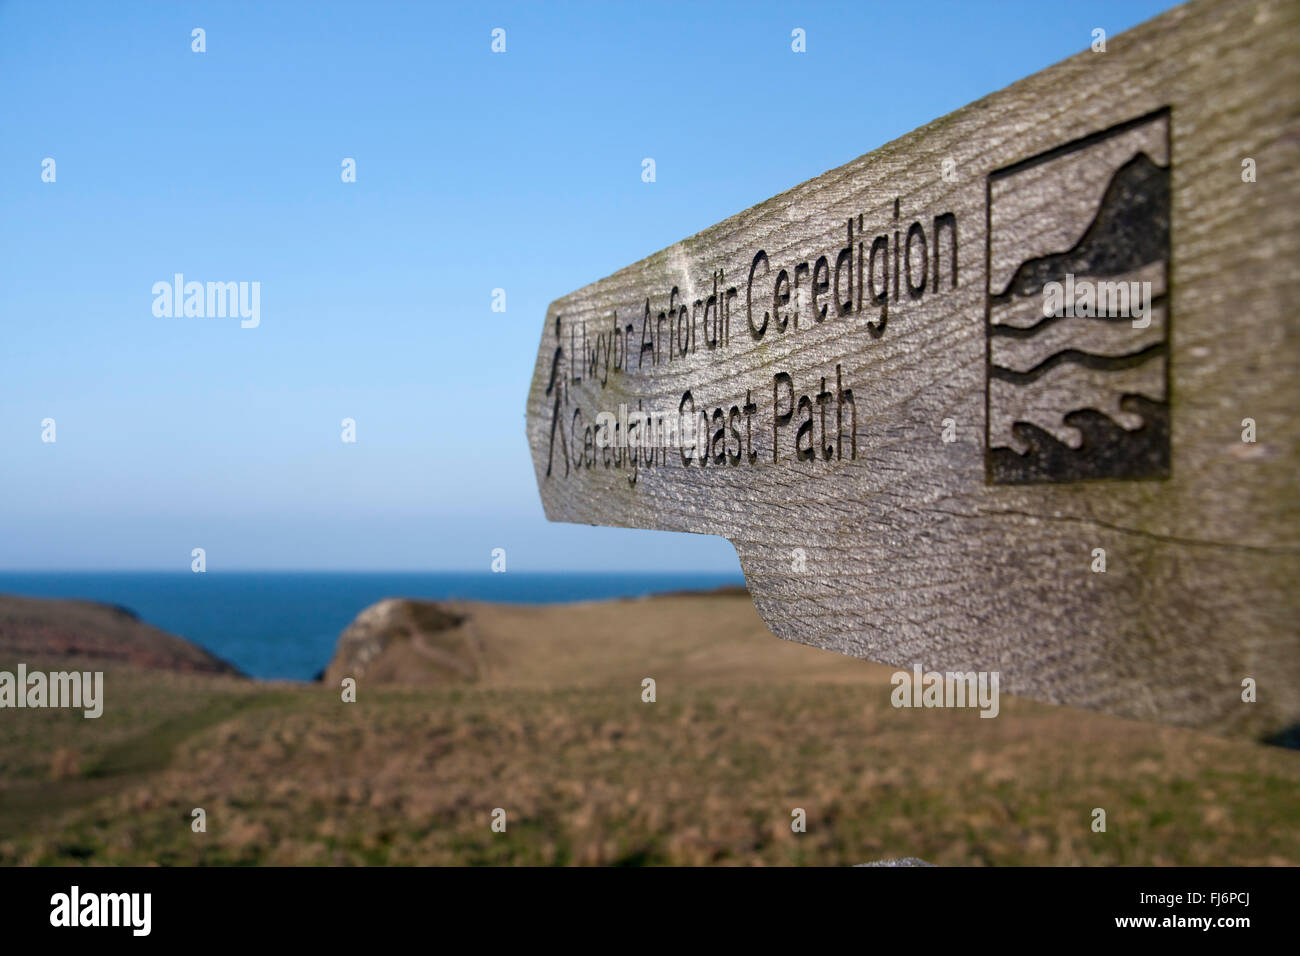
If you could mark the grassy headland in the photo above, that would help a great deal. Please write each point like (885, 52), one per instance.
(550, 725)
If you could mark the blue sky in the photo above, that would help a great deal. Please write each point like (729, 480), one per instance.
(474, 171)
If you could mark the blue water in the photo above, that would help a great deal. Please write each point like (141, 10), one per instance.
(285, 624)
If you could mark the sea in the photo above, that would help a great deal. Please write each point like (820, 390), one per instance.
(284, 625)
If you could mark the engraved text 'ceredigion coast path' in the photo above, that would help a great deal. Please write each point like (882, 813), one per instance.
(1015, 392)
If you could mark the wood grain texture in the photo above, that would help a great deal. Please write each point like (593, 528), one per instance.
(915, 551)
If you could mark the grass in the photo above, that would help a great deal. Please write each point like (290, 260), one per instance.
(709, 774)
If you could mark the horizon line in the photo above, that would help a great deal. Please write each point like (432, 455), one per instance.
(556, 571)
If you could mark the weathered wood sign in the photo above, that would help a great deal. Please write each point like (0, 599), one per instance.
(1016, 392)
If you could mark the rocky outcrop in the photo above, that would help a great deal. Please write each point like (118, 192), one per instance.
(408, 642)
(45, 629)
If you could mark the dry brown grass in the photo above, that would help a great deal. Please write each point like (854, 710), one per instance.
(746, 728)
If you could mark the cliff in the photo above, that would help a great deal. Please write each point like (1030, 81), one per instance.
(45, 629)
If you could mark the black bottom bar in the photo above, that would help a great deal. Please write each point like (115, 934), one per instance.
(332, 906)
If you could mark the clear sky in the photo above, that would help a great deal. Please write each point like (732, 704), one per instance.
(474, 171)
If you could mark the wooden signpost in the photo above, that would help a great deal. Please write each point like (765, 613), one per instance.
(1017, 392)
